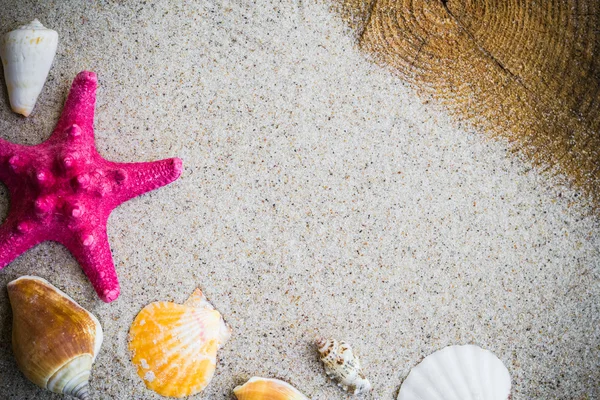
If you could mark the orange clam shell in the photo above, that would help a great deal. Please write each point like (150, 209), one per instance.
(267, 389)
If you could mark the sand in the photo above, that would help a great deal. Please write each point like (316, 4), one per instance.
(320, 195)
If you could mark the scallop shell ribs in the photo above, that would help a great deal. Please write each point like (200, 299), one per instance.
(457, 373)
(174, 346)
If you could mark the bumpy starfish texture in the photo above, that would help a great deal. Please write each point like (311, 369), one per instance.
(63, 190)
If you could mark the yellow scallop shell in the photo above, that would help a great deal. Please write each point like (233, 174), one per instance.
(174, 346)
(267, 389)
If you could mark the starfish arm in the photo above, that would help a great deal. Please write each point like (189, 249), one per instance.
(139, 178)
(92, 251)
(15, 239)
(79, 108)
(7, 148)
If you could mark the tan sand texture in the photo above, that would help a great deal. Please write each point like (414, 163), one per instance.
(527, 71)
(320, 196)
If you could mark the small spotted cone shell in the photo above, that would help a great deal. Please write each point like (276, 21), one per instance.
(174, 346)
(342, 365)
(267, 389)
(55, 341)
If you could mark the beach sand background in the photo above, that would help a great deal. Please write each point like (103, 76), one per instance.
(320, 195)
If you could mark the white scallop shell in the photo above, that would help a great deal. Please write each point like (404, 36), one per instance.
(457, 373)
(27, 54)
(342, 365)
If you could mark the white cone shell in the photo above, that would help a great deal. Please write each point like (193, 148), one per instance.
(457, 373)
(27, 54)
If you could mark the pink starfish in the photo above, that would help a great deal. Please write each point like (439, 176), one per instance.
(63, 190)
